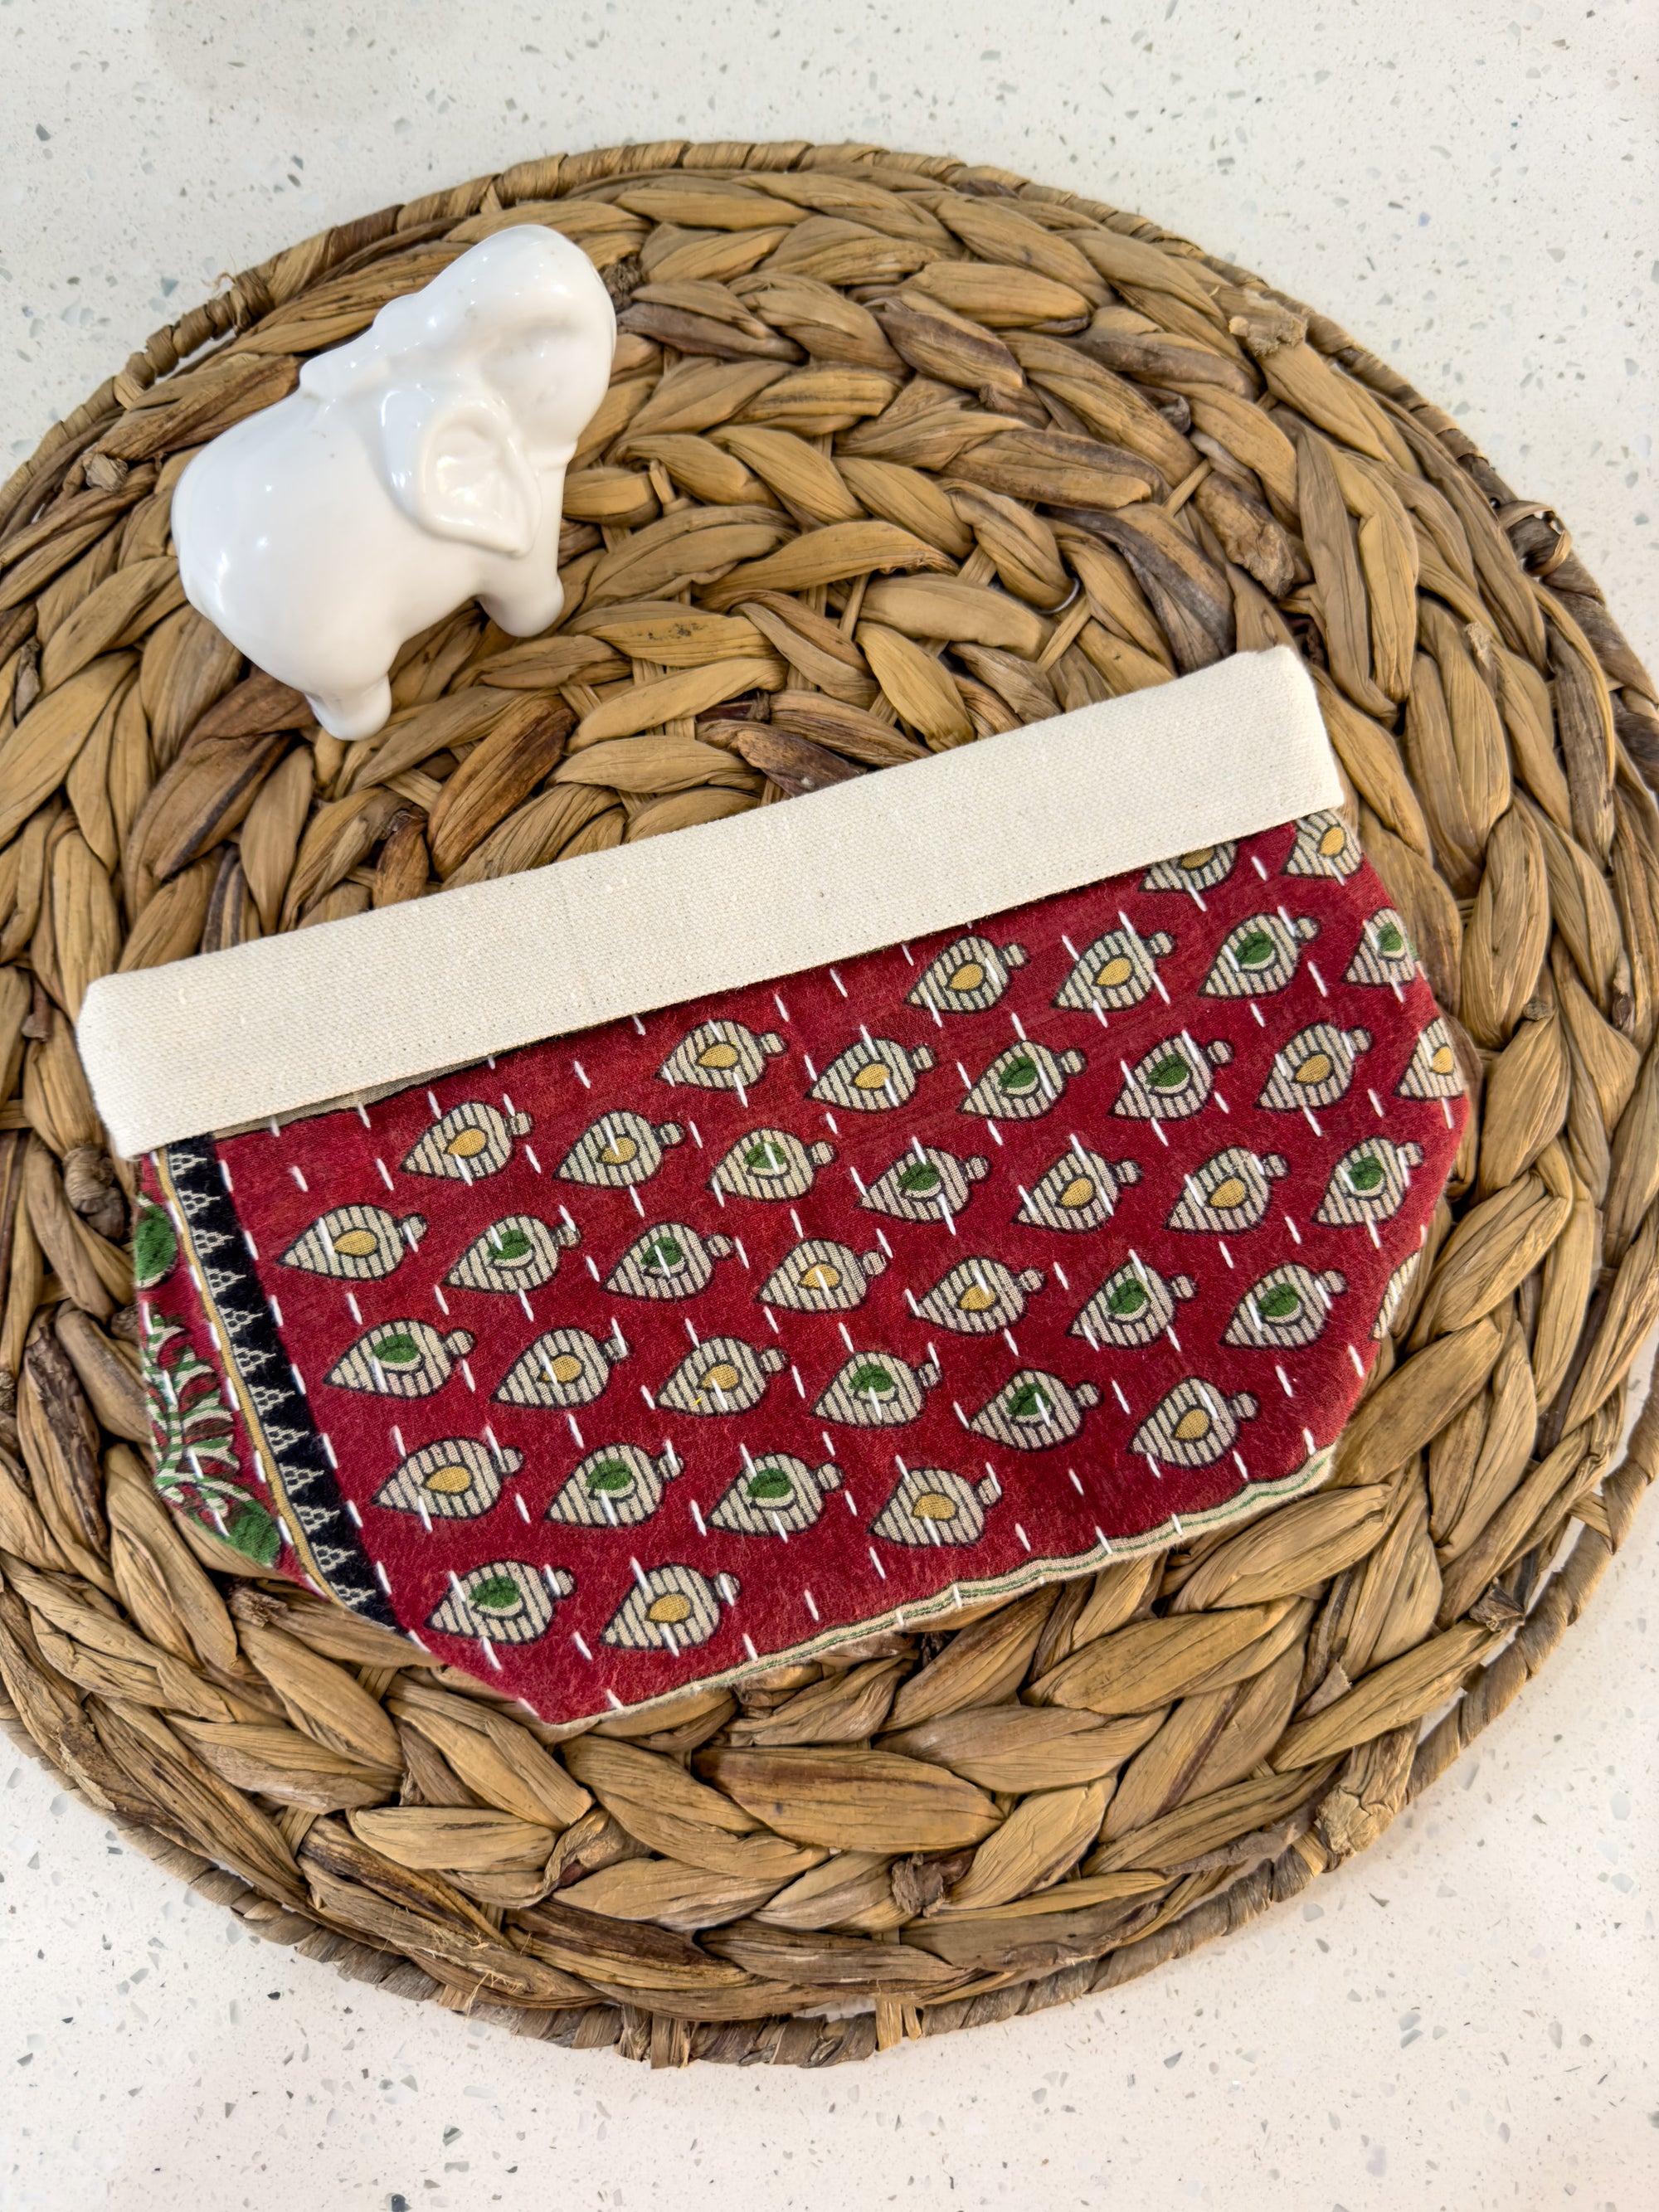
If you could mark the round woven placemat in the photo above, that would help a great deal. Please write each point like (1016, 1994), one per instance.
(852, 367)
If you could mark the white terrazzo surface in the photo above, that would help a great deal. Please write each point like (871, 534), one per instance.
(1465, 2016)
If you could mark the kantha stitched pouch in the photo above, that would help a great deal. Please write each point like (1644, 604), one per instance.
(828, 1217)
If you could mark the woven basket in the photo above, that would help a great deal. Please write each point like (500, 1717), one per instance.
(817, 337)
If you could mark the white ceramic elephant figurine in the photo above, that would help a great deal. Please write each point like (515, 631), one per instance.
(418, 466)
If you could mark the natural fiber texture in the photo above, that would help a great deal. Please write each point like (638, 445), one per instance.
(918, 452)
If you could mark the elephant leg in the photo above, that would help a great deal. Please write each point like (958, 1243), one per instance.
(523, 607)
(350, 714)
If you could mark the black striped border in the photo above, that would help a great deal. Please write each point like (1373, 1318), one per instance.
(268, 1395)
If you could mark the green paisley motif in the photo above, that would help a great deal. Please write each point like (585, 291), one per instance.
(155, 1248)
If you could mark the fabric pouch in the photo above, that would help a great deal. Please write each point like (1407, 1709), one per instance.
(830, 1217)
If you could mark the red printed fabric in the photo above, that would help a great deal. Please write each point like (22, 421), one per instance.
(625, 1361)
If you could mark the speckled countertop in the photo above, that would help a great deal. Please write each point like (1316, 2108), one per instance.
(1464, 2017)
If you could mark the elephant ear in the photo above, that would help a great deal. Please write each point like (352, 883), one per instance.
(457, 465)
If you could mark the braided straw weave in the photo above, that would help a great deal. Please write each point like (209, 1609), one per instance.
(925, 452)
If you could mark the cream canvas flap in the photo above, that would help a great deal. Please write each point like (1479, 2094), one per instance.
(287, 1023)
